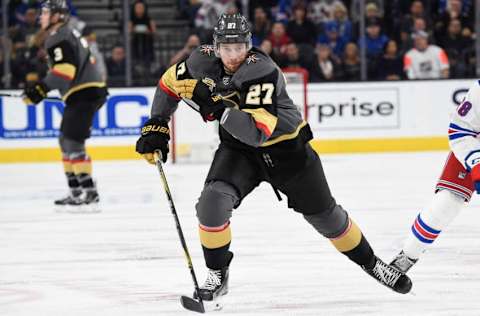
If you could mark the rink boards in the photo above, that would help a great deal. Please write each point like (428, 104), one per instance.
(345, 118)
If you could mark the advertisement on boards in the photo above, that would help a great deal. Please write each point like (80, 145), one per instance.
(358, 108)
(121, 115)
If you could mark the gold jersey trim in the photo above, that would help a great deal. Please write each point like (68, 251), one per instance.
(83, 86)
(65, 70)
(283, 137)
(264, 120)
(169, 78)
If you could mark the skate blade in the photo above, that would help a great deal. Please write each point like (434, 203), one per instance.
(78, 209)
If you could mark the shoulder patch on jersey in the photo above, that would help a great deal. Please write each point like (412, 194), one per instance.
(203, 63)
(256, 65)
(206, 49)
(252, 58)
(478, 82)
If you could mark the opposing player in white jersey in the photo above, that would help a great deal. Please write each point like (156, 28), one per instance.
(460, 177)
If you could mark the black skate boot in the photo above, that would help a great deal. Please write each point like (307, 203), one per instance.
(402, 262)
(91, 197)
(91, 201)
(216, 283)
(389, 276)
(73, 199)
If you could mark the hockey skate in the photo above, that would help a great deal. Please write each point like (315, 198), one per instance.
(216, 284)
(389, 276)
(402, 262)
(72, 201)
(91, 202)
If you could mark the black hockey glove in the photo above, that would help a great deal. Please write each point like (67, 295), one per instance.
(35, 93)
(155, 136)
(211, 107)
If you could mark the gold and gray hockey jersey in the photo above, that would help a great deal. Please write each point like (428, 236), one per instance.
(72, 67)
(261, 113)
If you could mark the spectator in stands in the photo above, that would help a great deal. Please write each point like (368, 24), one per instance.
(300, 29)
(390, 64)
(261, 26)
(187, 9)
(344, 25)
(21, 65)
(321, 11)
(267, 5)
(455, 44)
(71, 8)
(351, 63)
(17, 9)
(375, 40)
(425, 61)
(373, 9)
(91, 38)
(294, 59)
(282, 10)
(143, 29)
(193, 42)
(371, 12)
(332, 39)
(208, 14)
(417, 10)
(325, 68)
(454, 11)
(406, 40)
(23, 33)
(279, 39)
(116, 67)
(267, 47)
(469, 57)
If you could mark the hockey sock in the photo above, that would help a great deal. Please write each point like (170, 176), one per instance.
(215, 244)
(354, 245)
(428, 224)
(82, 168)
(72, 180)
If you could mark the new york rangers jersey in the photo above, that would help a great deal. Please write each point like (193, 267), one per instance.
(465, 127)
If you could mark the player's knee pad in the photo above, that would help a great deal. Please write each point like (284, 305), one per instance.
(331, 222)
(69, 146)
(443, 209)
(214, 207)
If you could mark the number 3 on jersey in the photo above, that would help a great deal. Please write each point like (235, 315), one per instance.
(57, 54)
(255, 92)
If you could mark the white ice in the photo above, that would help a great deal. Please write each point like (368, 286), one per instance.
(127, 260)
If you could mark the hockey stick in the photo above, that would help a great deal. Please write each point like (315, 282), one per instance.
(187, 302)
(9, 95)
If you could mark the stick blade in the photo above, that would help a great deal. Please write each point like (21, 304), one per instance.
(192, 305)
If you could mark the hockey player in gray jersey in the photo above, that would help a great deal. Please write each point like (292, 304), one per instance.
(74, 72)
(262, 138)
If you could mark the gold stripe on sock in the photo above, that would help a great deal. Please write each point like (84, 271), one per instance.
(215, 239)
(83, 166)
(349, 239)
(67, 166)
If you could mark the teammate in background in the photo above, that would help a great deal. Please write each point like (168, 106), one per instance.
(75, 74)
(263, 138)
(459, 178)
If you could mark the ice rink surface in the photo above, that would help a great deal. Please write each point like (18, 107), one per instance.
(127, 260)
